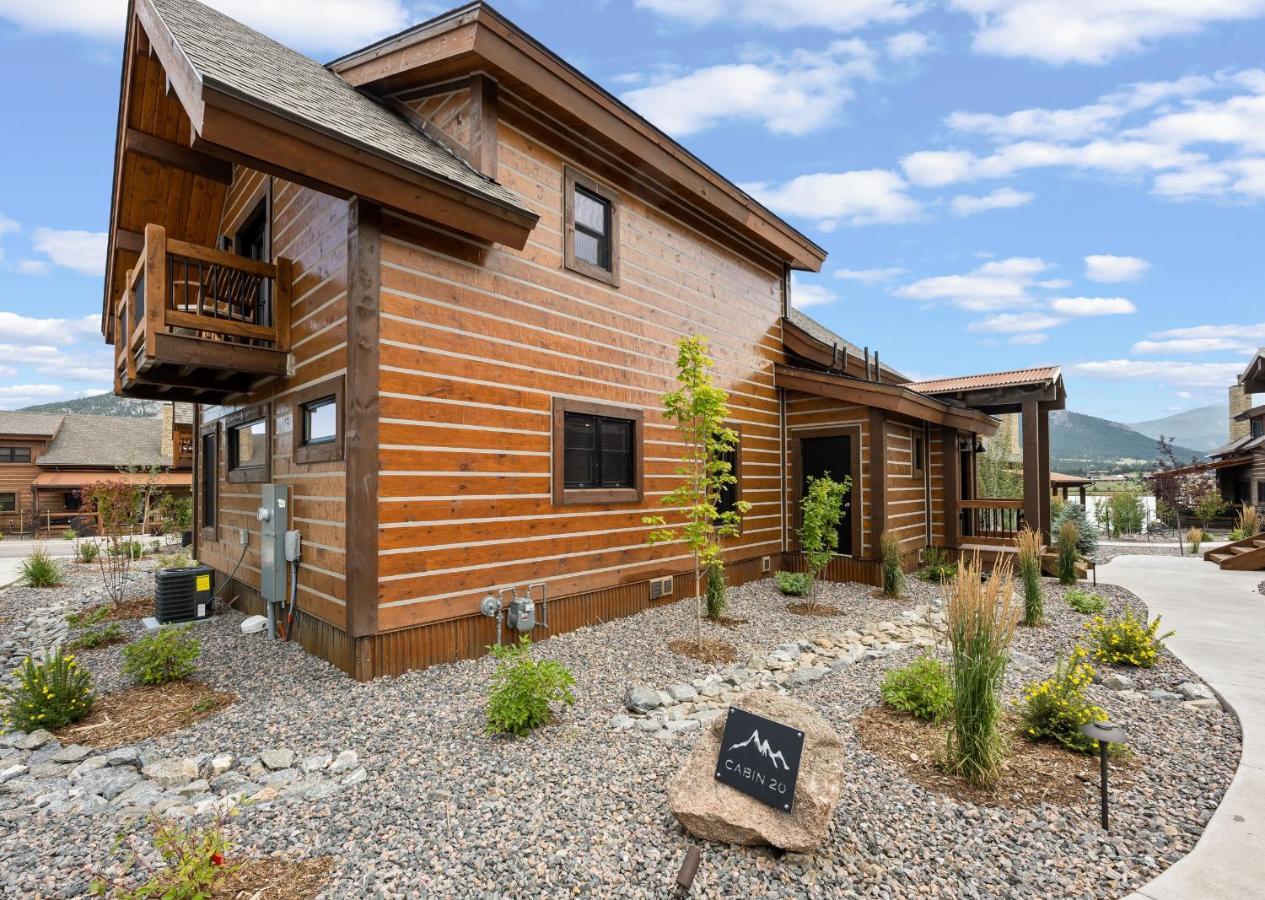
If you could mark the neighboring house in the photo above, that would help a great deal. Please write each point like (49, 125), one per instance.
(48, 463)
(434, 289)
(1240, 462)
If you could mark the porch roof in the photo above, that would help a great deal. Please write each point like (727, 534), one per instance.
(1000, 392)
(64, 480)
(1253, 377)
(1058, 479)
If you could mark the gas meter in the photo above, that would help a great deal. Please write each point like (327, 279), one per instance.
(521, 613)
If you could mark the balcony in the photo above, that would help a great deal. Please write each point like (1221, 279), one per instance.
(197, 324)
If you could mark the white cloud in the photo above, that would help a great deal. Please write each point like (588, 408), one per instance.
(869, 276)
(1107, 268)
(907, 45)
(79, 373)
(1196, 339)
(1189, 345)
(997, 284)
(32, 390)
(1091, 31)
(1092, 306)
(863, 197)
(1184, 395)
(1167, 372)
(1029, 339)
(1254, 333)
(28, 353)
(934, 168)
(323, 24)
(1002, 198)
(81, 251)
(34, 267)
(834, 15)
(7, 225)
(1010, 323)
(792, 94)
(56, 331)
(7, 371)
(806, 294)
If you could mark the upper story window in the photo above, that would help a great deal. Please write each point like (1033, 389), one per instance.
(591, 228)
(1258, 427)
(597, 454)
(249, 438)
(15, 454)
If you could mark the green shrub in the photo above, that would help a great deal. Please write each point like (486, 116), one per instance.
(1030, 548)
(981, 621)
(523, 688)
(178, 560)
(1085, 602)
(168, 654)
(98, 637)
(1127, 641)
(69, 534)
(893, 574)
(936, 566)
(793, 584)
(716, 594)
(1086, 533)
(194, 865)
(39, 570)
(47, 694)
(920, 688)
(1127, 511)
(87, 617)
(1055, 709)
(1067, 554)
(87, 551)
(128, 549)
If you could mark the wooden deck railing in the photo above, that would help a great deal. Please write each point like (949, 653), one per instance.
(991, 520)
(199, 292)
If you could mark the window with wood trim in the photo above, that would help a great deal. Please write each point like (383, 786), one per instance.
(590, 228)
(15, 454)
(1260, 493)
(8, 501)
(1258, 427)
(597, 453)
(730, 494)
(318, 422)
(208, 473)
(920, 453)
(248, 445)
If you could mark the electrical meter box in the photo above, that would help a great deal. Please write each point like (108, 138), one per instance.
(274, 519)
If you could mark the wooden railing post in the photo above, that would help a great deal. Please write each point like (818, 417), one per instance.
(155, 286)
(282, 297)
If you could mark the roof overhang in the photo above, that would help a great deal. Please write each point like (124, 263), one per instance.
(477, 39)
(1253, 378)
(1001, 392)
(799, 341)
(1250, 413)
(71, 479)
(890, 397)
(1195, 468)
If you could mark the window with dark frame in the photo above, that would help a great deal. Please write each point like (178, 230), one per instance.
(319, 423)
(598, 452)
(591, 224)
(207, 478)
(1258, 427)
(730, 493)
(1260, 493)
(920, 453)
(8, 501)
(15, 454)
(248, 445)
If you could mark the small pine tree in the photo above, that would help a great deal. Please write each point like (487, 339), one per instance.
(893, 574)
(717, 594)
(1087, 534)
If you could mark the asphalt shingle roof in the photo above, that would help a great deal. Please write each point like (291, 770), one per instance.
(42, 424)
(101, 441)
(240, 61)
(826, 336)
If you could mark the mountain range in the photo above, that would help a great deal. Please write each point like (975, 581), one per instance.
(1204, 428)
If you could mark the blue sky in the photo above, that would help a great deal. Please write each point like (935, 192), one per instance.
(999, 183)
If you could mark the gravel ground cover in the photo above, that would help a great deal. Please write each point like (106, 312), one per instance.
(579, 808)
(1107, 553)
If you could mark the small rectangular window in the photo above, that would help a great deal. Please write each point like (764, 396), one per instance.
(8, 502)
(248, 445)
(596, 453)
(318, 422)
(730, 494)
(15, 454)
(1260, 493)
(920, 453)
(207, 473)
(1258, 427)
(72, 501)
(591, 226)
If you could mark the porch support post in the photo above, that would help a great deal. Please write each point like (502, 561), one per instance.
(878, 478)
(951, 461)
(1032, 502)
(1083, 506)
(1043, 458)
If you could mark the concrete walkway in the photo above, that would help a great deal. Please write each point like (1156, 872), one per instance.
(1220, 622)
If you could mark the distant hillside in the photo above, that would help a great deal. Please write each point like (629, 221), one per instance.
(1079, 443)
(1205, 428)
(101, 405)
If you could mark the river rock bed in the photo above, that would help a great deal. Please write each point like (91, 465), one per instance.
(580, 809)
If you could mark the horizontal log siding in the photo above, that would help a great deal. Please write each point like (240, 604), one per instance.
(477, 342)
(310, 228)
(906, 490)
(17, 478)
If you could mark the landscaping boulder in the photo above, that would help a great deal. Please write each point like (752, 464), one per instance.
(1191, 690)
(1117, 682)
(714, 811)
(641, 699)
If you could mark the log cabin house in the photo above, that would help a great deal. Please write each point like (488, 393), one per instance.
(1239, 463)
(433, 290)
(49, 462)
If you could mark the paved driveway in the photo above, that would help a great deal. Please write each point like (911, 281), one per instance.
(1220, 622)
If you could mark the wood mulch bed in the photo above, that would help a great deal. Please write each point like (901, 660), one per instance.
(727, 621)
(1032, 773)
(275, 879)
(135, 608)
(710, 652)
(134, 714)
(820, 610)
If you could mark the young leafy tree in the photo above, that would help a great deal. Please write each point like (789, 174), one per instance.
(699, 409)
(997, 477)
(118, 506)
(819, 531)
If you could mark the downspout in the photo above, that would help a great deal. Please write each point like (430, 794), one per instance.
(781, 420)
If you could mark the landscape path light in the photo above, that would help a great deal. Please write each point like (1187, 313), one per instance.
(1105, 734)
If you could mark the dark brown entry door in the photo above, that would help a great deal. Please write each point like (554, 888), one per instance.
(833, 456)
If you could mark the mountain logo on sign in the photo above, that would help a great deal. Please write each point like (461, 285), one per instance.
(775, 756)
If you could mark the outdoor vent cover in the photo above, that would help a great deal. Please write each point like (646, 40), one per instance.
(765, 563)
(660, 587)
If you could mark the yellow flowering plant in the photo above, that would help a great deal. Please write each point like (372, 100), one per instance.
(47, 694)
(1127, 641)
(1055, 709)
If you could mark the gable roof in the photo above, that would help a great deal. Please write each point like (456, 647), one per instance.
(240, 61)
(828, 338)
(106, 442)
(29, 424)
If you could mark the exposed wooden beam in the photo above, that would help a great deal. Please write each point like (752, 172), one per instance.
(1032, 499)
(483, 119)
(878, 478)
(125, 239)
(951, 460)
(1043, 458)
(187, 159)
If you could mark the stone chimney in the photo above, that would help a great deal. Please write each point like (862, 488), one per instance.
(169, 437)
(1240, 402)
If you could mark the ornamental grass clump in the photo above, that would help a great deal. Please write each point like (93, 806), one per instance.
(1127, 641)
(717, 595)
(1085, 603)
(1067, 553)
(1055, 709)
(1196, 538)
(793, 584)
(523, 689)
(169, 654)
(40, 570)
(87, 551)
(1249, 522)
(981, 620)
(1030, 549)
(47, 694)
(921, 689)
(893, 573)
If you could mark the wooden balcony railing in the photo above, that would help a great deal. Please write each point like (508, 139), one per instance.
(991, 521)
(187, 308)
